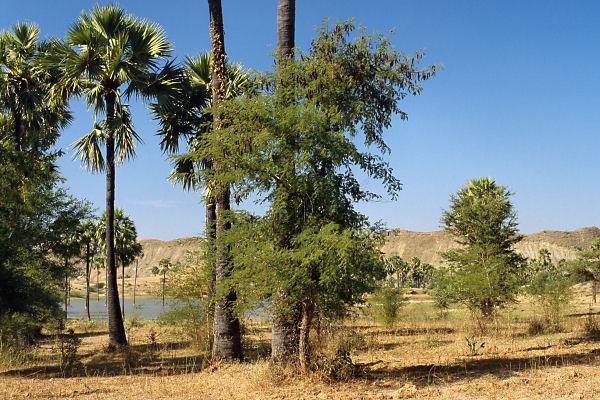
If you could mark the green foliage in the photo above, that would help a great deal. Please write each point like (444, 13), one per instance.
(67, 345)
(127, 248)
(550, 286)
(485, 272)
(38, 226)
(188, 284)
(587, 265)
(387, 303)
(338, 265)
(298, 144)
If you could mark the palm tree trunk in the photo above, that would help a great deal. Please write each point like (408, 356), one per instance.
(18, 131)
(211, 235)
(105, 286)
(97, 284)
(87, 280)
(164, 280)
(135, 281)
(66, 288)
(286, 26)
(284, 329)
(123, 288)
(226, 329)
(116, 329)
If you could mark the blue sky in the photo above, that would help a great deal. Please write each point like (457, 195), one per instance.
(517, 100)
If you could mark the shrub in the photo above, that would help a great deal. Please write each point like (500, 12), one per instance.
(67, 346)
(591, 326)
(550, 287)
(333, 355)
(387, 304)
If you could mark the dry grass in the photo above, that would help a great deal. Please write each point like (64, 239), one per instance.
(425, 356)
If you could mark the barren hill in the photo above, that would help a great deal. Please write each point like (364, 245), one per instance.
(428, 245)
(406, 244)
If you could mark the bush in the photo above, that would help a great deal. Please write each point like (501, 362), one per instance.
(333, 355)
(18, 331)
(551, 288)
(591, 326)
(67, 346)
(387, 304)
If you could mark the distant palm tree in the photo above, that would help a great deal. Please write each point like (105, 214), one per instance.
(88, 236)
(127, 249)
(164, 265)
(110, 56)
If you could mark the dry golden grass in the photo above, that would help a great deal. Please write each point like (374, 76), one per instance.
(425, 356)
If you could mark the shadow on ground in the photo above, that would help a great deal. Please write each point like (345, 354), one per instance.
(434, 374)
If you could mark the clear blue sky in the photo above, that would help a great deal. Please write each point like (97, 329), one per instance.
(518, 100)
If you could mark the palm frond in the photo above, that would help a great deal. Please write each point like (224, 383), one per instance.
(88, 148)
(124, 134)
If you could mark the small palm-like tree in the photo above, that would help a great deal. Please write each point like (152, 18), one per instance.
(110, 56)
(88, 236)
(127, 249)
(164, 265)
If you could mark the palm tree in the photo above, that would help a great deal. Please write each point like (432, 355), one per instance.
(110, 56)
(127, 249)
(284, 332)
(164, 265)
(91, 246)
(226, 333)
(189, 118)
(24, 83)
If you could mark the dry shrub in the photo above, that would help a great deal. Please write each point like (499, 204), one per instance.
(591, 326)
(333, 355)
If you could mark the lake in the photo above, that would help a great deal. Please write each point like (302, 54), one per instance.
(145, 308)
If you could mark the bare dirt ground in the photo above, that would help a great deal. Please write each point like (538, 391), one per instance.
(425, 356)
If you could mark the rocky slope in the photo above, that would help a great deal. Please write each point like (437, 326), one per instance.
(428, 245)
(406, 244)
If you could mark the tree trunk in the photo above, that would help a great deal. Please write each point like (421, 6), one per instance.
(87, 280)
(163, 287)
(116, 329)
(97, 284)
(226, 331)
(123, 289)
(594, 290)
(211, 235)
(135, 281)
(284, 329)
(105, 285)
(308, 310)
(286, 25)
(66, 288)
(18, 131)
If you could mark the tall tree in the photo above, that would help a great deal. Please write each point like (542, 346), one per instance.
(91, 247)
(227, 343)
(108, 56)
(189, 118)
(485, 272)
(303, 154)
(164, 265)
(284, 332)
(127, 248)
